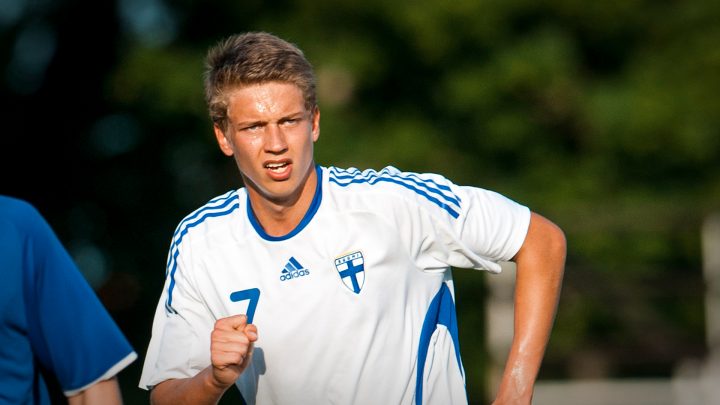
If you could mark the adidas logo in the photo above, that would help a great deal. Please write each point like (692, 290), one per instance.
(293, 269)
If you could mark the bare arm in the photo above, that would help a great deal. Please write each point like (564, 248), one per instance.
(231, 346)
(540, 266)
(105, 392)
(201, 389)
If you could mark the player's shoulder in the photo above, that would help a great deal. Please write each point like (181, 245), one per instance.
(213, 216)
(13, 208)
(21, 215)
(388, 175)
(391, 185)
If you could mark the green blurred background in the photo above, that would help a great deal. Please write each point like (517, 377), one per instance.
(603, 116)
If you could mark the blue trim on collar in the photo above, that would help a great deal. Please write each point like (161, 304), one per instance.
(314, 205)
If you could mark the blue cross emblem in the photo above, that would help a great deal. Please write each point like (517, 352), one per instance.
(351, 269)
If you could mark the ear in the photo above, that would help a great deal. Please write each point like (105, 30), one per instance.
(316, 123)
(223, 142)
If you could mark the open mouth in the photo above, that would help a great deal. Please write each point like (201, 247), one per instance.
(276, 167)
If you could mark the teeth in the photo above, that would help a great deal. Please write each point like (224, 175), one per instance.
(275, 166)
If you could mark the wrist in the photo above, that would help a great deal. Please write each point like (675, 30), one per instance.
(514, 394)
(213, 383)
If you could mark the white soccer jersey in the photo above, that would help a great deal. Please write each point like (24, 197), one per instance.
(354, 306)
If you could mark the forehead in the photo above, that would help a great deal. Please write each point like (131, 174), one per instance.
(265, 100)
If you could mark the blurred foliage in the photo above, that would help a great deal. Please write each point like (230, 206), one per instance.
(601, 116)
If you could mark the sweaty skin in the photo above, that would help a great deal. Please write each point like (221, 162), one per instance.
(540, 267)
(271, 135)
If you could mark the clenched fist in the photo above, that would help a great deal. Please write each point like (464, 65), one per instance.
(231, 347)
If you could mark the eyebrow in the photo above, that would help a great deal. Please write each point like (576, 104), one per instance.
(248, 123)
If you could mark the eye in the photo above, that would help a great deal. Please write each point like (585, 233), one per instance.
(251, 128)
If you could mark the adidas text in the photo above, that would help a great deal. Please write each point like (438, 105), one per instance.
(294, 274)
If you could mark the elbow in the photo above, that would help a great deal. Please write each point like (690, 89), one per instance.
(557, 242)
(545, 243)
(557, 252)
(552, 236)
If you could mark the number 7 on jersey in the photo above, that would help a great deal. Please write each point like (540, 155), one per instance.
(253, 295)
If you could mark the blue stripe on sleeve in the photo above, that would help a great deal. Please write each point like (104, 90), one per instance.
(219, 202)
(217, 207)
(439, 194)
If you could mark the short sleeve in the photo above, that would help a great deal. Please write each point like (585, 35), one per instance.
(180, 342)
(71, 332)
(457, 226)
(492, 224)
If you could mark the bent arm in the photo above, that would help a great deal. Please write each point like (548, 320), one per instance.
(105, 392)
(231, 347)
(201, 389)
(540, 266)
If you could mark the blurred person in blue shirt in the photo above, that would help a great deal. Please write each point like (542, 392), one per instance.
(52, 324)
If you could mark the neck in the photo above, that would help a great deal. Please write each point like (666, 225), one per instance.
(279, 216)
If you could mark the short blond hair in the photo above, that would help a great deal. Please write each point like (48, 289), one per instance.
(253, 58)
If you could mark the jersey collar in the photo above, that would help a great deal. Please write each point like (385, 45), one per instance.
(314, 205)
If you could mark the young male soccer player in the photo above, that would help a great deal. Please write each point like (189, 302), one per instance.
(322, 285)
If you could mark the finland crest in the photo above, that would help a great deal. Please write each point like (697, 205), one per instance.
(351, 269)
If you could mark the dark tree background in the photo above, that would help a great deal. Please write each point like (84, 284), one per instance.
(603, 117)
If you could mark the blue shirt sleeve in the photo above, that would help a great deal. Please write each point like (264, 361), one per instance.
(71, 332)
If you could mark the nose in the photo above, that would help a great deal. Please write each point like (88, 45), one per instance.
(275, 140)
